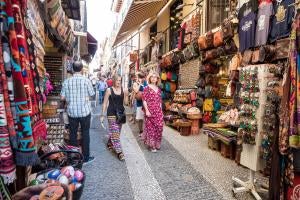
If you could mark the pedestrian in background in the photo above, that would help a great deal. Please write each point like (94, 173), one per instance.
(153, 110)
(138, 88)
(76, 92)
(102, 86)
(114, 100)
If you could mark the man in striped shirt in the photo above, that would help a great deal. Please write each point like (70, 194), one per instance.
(76, 91)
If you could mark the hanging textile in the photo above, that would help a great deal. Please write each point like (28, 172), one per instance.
(7, 164)
(294, 129)
(26, 150)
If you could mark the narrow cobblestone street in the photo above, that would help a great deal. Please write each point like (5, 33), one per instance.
(183, 169)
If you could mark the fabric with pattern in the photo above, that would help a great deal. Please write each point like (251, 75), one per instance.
(153, 129)
(26, 149)
(114, 131)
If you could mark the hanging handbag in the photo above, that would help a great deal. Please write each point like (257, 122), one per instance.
(201, 91)
(267, 53)
(282, 48)
(218, 38)
(235, 62)
(163, 76)
(221, 51)
(227, 30)
(174, 76)
(207, 117)
(168, 61)
(175, 58)
(201, 69)
(187, 53)
(199, 102)
(208, 105)
(217, 105)
(169, 75)
(208, 91)
(120, 113)
(210, 39)
(173, 87)
(255, 57)
(234, 75)
(246, 58)
(211, 54)
(230, 47)
(195, 49)
(202, 44)
(193, 96)
(181, 57)
(200, 82)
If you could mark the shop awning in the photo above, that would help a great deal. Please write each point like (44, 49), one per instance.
(138, 12)
(71, 8)
(92, 44)
(88, 45)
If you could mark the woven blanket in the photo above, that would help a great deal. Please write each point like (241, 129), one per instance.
(26, 151)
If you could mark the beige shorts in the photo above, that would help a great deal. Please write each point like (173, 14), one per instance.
(139, 113)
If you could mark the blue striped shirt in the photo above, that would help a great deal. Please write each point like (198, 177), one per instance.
(77, 90)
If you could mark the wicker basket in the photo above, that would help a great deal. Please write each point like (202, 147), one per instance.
(194, 116)
(215, 125)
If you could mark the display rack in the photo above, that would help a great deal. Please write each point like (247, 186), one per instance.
(54, 66)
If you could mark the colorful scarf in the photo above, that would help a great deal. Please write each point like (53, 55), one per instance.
(26, 150)
(294, 129)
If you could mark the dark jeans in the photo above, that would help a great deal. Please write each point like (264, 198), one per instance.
(101, 96)
(85, 133)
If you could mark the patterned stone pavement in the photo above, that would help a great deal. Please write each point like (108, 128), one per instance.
(183, 169)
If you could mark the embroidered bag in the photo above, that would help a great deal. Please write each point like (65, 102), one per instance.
(208, 105)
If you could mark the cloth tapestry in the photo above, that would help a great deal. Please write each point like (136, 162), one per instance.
(294, 129)
(153, 129)
(26, 150)
(8, 110)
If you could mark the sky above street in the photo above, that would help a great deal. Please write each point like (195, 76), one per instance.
(100, 18)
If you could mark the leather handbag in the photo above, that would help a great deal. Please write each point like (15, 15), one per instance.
(201, 69)
(255, 57)
(174, 76)
(209, 79)
(210, 39)
(267, 53)
(173, 87)
(227, 30)
(235, 62)
(181, 57)
(282, 48)
(221, 51)
(200, 82)
(208, 91)
(202, 44)
(199, 102)
(234, 75)
(208, 105)
(211, 68)
(211, 54)
(175, 58)
(168, 61)
(195, 49)
(246, 58)
(201, 92)
(188, 53)
(230, 47)
(218, 38)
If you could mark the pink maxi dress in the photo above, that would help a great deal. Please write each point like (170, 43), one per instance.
(153, 125)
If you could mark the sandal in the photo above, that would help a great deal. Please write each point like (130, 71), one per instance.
(109, 146)
(121, 156)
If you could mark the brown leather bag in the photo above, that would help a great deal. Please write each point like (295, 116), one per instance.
(282, 48)
(227, 30)
(210, 39)
(267, 53)
(246, 58)
(218, 38)
(235, 62)
(255, 57)
(202, 42)
(168, 61)
(211, 54)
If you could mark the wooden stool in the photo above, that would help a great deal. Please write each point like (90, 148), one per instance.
(228, 150)
(184, 127)
(195, 118)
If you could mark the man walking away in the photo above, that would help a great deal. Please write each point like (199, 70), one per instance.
(101, 87)
(76, 91)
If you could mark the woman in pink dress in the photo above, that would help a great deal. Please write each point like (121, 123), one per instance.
(153, 109)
